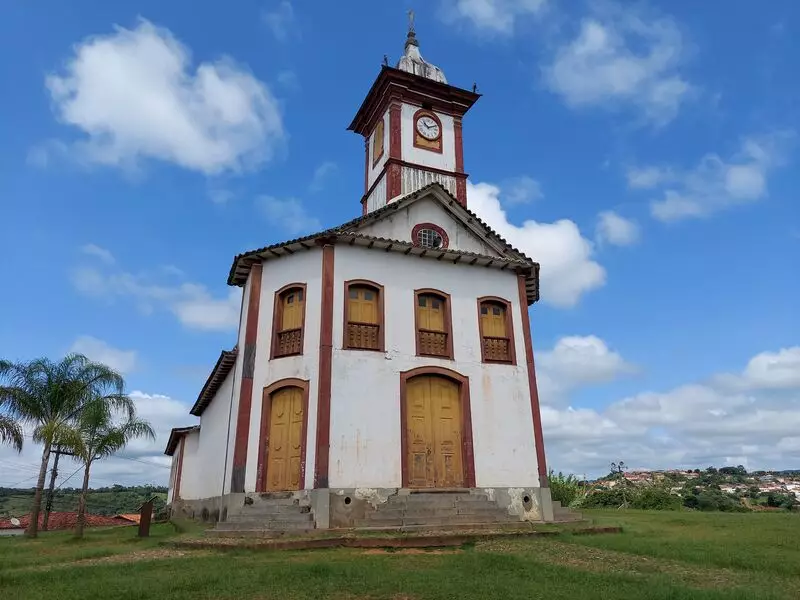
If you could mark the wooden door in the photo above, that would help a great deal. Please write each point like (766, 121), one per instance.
(285, 440)
(433, 433)
(493, 320)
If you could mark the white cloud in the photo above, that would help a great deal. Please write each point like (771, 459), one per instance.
(288, 214)
(288, 80)
(321, 174)
(145, 461)
(193, 304)
(123, 361)
(717, 184)
(134, 95)
(622, 58)
(648, 177)
(101, 253)
(616, 230)
(521, 190)
(565, 256)
(220, 196)
(749, 418)
(494, 17)
(281, 21)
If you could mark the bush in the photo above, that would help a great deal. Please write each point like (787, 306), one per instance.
(611, 498)
(655, 498)
(564, 488)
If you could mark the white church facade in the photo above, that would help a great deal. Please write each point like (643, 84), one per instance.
(382, 364)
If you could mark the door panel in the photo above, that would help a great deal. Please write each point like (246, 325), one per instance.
(284, 461)
(433, 433)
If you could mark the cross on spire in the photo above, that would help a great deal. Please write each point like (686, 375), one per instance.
(411, 38)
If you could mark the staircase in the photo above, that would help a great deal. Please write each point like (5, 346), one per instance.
(440, 509)
(562, 514)
(278, 512)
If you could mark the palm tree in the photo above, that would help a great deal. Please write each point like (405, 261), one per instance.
(99, 437)
(10, 432)
(50, 396)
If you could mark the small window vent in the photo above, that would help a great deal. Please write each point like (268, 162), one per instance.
(428, 238)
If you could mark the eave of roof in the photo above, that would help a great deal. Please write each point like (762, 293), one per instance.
(444, 95)
(216, 378)
(175, 435)
(242, 263)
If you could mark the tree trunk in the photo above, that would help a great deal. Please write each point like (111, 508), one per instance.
(82, 503)
(48, 504)
(33, 526)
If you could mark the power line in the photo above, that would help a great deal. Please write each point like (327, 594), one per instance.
(144, 462)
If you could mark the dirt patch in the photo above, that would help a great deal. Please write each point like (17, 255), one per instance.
(412, 551)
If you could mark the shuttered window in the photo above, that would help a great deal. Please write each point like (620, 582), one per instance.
(497, 341)
(288, 322)
(434, 336)
(363, 316)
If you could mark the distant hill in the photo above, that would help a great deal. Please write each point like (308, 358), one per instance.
(101, 501)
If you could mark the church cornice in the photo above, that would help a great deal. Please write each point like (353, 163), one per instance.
(393, 83)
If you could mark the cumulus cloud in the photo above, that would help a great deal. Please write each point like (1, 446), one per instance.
(100, 253)
(321, 175)
(567, 267)
(714, 184)
(521, 190)
(621, 58)
(288, 214)
(280, 21)
(123, 361)
(751, 417)
(134, 94)
(493, 17)
(616, 230)
(193, 304)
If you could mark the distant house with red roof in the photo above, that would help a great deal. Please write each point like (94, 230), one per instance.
(60, 520)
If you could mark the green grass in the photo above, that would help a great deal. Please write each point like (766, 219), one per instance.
(659, 556)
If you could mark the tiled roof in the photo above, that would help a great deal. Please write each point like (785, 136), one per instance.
(243, 262)
(175, 435)
(65, 520)
(225, 362)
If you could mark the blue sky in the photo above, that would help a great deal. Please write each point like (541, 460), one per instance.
(645, 155)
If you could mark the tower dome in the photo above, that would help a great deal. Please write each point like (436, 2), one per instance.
(412, 61)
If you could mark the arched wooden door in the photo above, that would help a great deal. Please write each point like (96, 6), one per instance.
(433, 432)
(285, 441)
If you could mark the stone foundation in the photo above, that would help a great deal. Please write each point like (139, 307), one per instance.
(355, 507)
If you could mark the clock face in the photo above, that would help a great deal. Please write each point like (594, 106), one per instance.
(428, 127)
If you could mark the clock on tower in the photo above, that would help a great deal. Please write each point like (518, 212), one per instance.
(411, 123)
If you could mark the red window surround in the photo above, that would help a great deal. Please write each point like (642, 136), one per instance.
(415, 233)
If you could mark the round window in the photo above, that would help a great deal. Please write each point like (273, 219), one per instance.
(429, 238)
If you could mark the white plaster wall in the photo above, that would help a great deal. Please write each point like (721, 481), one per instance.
(173, 474)
(374, 170)
(365, 403)
(215, 440)
(377, 197)
(305, 267)
(398, 226)
(192, 475)
(409, 153)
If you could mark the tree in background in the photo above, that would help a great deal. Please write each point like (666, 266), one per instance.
(10, 430)
(50, 396)
(100, 436)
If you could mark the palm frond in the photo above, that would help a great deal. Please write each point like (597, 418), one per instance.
(10, 432)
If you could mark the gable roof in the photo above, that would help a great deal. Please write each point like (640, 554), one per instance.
(349, 232)
(216, 378)
(175, 436)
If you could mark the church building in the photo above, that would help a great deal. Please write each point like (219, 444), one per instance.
(384, 372)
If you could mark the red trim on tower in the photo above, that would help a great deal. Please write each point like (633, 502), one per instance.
(395, 130)
(325, 370)
(176, 494)
(367, 166)
(246, 386)
(461, 184)
(538, 437)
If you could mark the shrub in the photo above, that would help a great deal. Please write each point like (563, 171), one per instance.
(564, 488)
(655, 498)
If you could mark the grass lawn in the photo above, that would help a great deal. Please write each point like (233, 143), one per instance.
(660, 555)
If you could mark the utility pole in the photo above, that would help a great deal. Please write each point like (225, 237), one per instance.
(49, 504)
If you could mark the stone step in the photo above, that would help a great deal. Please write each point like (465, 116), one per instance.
(268, 511)
(435, 500)
(445, 521)
(256, 533)
(398, 512)
(277, 502)
(299, 518)
(264, 525)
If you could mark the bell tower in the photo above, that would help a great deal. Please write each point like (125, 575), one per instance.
(411, 124)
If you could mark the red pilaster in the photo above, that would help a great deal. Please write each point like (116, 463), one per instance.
(395, 138)
(325, 371)
(176, 493)
(538, 437)
(461, 182)
(366, 165)
(246, 386)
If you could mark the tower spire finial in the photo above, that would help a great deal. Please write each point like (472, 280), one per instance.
(411, 38)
